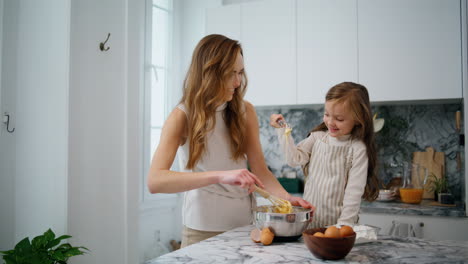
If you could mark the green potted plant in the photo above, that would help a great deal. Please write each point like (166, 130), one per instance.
(43, 249)
(438, 186)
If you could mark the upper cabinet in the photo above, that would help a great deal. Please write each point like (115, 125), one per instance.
(410, 50)
(267, 33)
(295, 50)
(268, 38)
(326, 47)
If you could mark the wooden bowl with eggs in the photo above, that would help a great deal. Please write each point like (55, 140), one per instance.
(329, 243)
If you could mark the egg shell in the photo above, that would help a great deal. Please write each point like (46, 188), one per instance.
(255, 235)
(267, 236)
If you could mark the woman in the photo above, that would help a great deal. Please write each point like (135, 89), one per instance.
(215, 133)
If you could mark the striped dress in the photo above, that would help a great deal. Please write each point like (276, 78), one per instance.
(337, 172)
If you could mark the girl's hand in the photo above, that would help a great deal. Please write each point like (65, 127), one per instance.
(297, 201)
(274, 118)
(242, 178)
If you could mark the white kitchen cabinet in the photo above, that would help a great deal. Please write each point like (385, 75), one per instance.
(427, 227)
(326, 47)
(410, 50)
(268, 37)
(296, 50)
(267, 32)
(224, 20)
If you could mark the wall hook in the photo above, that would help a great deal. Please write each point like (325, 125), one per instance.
(6, 120)
(101, 45)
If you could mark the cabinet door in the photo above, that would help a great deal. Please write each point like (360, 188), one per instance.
(224, 20)
(410, 50)
(326, 47)
(268, 38)
(427, 227)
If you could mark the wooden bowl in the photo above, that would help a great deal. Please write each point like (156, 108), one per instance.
(327, 247)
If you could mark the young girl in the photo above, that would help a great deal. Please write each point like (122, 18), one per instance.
(215, 133)
(338, 156)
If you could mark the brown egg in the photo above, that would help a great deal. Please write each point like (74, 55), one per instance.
(332, 231)
(346, 231)
(319, 234)
(255, 235)
(267, 236)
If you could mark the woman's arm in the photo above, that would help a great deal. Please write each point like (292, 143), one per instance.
(162, 180)
(355, 186)
(257, 161)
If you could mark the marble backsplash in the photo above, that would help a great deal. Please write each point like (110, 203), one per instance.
(408, 128)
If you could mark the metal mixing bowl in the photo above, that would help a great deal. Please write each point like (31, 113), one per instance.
(287, 227)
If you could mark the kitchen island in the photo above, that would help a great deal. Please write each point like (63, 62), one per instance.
(235, 246)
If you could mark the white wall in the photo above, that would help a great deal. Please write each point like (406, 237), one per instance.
(42, 117)
(134, 122)
(73, 163)
(104, 114)
(7, 140)
(1, 41)
(34, 92)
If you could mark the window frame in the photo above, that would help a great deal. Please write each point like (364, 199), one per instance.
(147, 198)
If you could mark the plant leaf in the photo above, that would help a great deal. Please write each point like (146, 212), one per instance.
(8, 252)
(23, 245)
(73, 252)
(40, 250)
(39, 242)
(56, 241)
(63, 237)
(49, 235)
(64, 246)
(10, 259)
(58, 255)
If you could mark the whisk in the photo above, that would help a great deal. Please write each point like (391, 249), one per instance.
(279, 205)
(288, 129)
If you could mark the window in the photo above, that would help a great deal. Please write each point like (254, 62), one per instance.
(159, 17)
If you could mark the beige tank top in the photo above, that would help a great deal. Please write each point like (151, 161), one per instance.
(217, 207)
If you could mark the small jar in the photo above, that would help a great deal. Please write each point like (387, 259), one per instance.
(395, 184)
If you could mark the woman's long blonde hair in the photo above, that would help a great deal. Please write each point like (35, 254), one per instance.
(205, 89)
(356, 98)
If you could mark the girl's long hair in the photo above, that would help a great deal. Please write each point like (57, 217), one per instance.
(356, 98)
(205, 89)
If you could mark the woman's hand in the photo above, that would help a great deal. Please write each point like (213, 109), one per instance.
(242, 178)
(274, 118)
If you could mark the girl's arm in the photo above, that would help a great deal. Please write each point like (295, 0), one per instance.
(355, 186)
(162, 180)
(295, 155)
(257, 161)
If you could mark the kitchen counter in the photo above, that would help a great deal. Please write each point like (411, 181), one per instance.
(424, 208)
(235, 246)
(397, 207)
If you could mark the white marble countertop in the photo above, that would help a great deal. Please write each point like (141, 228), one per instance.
(235, 246)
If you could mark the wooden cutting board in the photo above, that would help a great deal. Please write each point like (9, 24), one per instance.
(435, 164)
